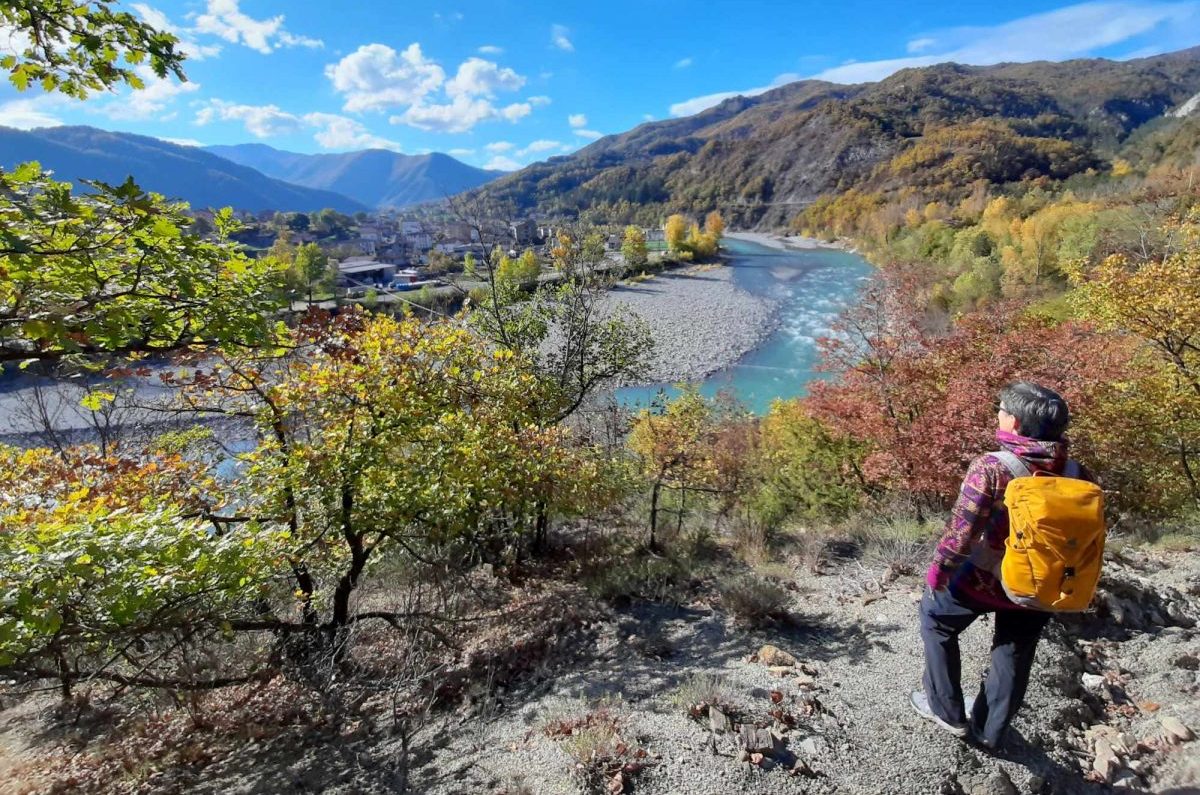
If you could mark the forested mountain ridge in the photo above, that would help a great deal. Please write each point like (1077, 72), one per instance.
(761, 159)
(375, 177)
(178, 172)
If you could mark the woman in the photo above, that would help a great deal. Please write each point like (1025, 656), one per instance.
(1031, 422)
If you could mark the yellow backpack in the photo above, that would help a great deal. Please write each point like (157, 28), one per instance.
(1055, 545)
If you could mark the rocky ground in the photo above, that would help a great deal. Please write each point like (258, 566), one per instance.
(681, 699)
(700, 320)
(1113, 699)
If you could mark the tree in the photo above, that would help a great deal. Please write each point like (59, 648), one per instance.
(804, 469)
(690, 445)
(633, 248)
(407, 439)
(714, 224)
(1159, 303)
(118, 271)
(675, 232)
(311, 271)
(77, 48)
(298, 222)
(520, 271)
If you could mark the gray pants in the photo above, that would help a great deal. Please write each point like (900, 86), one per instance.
(943, 616)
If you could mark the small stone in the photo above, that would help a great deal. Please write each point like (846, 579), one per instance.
(1106, 762)
(759, 741)
(811, 746)
(1093, 681)
(1035, 785)
(998, 783)
(1175, 730)
(774, 656)
(1126, 779)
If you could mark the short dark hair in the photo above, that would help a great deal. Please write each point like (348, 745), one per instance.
(1041, 413)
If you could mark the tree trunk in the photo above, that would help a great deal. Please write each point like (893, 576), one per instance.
(654, 514)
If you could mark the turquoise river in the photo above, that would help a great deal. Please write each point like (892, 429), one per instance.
(812, 286)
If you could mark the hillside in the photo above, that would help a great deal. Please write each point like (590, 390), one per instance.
(760, 159)
(182, 172)
(375, 177)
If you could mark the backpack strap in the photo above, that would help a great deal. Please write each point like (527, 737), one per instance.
(1013, 462)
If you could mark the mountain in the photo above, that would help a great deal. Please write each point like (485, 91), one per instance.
(181, 172)
(938, 128)
(375, 177)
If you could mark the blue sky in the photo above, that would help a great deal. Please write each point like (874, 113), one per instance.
(503, 83)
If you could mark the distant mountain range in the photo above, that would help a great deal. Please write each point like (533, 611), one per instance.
(374, 177)
(179, 172)
(940, 128)
(251, 177)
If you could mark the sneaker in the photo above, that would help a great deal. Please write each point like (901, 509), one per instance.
(920, 704)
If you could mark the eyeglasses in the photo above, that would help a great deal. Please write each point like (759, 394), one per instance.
(998, 405)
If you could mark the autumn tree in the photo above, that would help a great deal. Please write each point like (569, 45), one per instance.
(675, 232)
(714, 224)
(690, 445)
(633, 248)
(1158, 302)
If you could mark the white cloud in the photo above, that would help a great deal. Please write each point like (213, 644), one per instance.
(479, 78)
(341, 132)
(577, 120)
(157, 19)
(459, 115)
(592, 134)
(330, 130)
(683, 63)
(539, 100)
(225, 19)
(540, 145)
(696, 104)
(261, 121)
(491, 49)
(496, 147)
(460, 152)
(375, 76)
(921, 44)
(559, 37)
(27, 114)
(516, 111)
(149, 101)
(502, 163)
(183, 141)
(647, 117)
(1070, 32)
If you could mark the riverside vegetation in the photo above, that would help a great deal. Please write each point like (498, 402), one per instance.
(438, 542)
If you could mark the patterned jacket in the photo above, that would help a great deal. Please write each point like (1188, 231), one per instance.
(973, 542)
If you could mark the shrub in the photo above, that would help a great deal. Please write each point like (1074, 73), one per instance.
(754, 600)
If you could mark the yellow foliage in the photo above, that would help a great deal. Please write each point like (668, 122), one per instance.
(675, 231)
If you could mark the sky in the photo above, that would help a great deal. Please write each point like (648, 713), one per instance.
(501, 84)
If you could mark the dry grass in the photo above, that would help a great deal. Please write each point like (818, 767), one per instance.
(703, 690)
(754, 600)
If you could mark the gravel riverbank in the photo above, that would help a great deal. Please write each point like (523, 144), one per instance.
(700, 320)
(788, 243)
